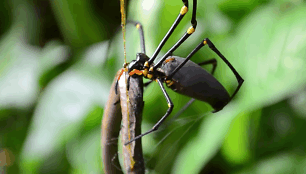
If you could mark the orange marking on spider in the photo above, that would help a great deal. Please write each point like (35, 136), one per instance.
(169, 60)
(120, 74)
(136, 71)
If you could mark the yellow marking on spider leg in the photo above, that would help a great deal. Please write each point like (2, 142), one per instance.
(190, 30)
(169, 82)
(150, 76)
(150, 73)
(205, 42)
(146, 64)
(169, 105)
(145, 72)
(184, 10)
(137, 26)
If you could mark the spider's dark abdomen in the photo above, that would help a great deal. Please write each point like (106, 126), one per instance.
(193, 81)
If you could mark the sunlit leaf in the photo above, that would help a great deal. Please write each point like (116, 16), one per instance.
(281, 163)
(84, 154)
(78, 23)
(63, 106)
(236, 146)
(200, 150)
(21, 63)
(273, 55)
(268, 75)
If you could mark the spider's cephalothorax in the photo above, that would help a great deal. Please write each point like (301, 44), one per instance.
(141, 66)
(180, 74)
(138, 63)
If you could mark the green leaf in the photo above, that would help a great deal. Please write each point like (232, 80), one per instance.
(236, 146)
(278, 164)
(63, 106)
(85, 153)
(21, 63)
(78, 24)
(272, 50)
(198, 152)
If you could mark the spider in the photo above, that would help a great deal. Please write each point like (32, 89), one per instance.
(180, 74)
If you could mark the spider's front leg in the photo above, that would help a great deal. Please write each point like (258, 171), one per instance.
(156, 126)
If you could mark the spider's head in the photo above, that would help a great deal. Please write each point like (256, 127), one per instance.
(141, 58)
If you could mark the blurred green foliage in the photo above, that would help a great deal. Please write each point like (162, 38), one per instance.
(57, 63)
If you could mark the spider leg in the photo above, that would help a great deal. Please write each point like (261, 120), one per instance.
(174, 25)
(141, 34)
(238, 77)
(156, 126)
(212, 47)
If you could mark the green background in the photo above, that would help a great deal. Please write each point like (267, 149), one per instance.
(57, 64)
